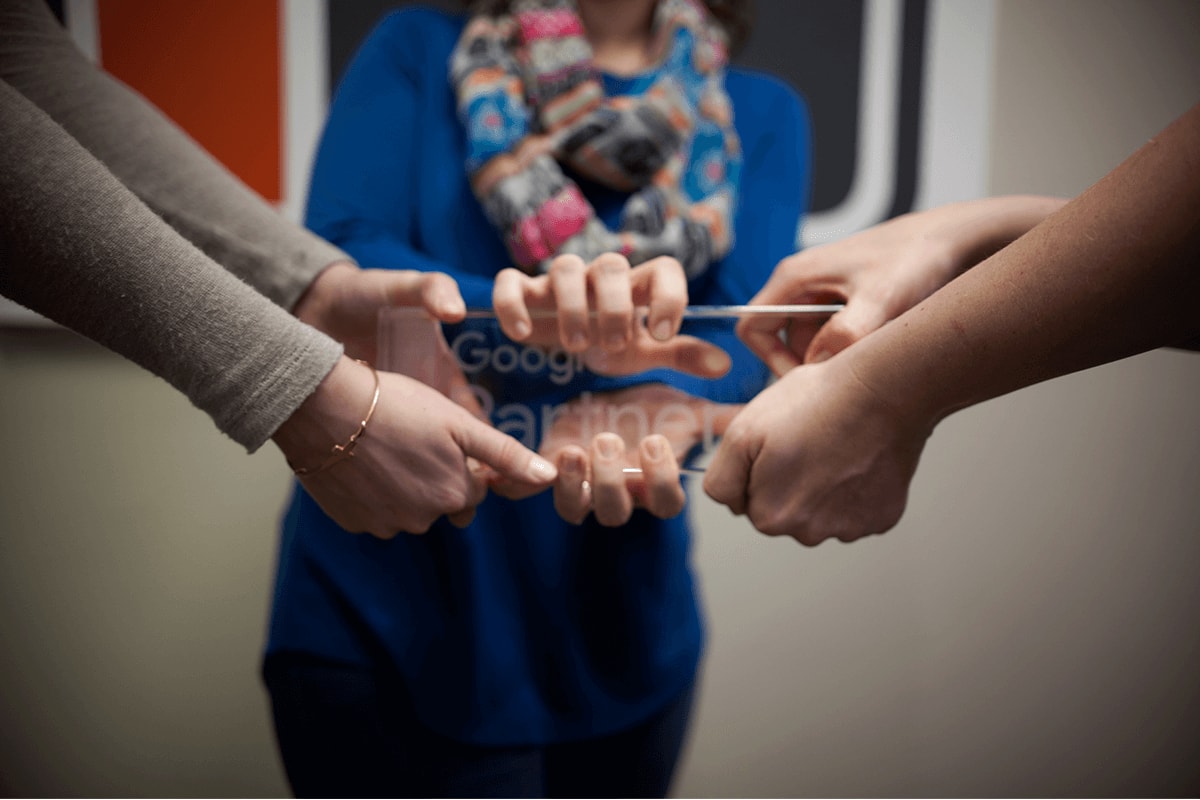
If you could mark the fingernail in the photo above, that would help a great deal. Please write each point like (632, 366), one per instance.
(823, 355)
(521, 329)
(781, 364)
(542, 470)
(608, 445)
(653, 447)
(615, 341)
(716, 362)
(571, 464)
(577, 340)
(662, 330)
(452, 306)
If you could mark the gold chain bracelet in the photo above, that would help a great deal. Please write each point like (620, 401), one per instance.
(341, 452)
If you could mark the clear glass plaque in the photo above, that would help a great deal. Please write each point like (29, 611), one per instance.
(546, 397)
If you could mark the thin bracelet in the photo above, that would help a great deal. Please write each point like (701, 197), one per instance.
(341, 452)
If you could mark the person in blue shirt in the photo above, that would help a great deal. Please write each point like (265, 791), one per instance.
(526, 654)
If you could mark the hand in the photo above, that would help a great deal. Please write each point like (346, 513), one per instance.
(878, 273)
(421, 456)
(818, 455)
(651, 427)
(882, 272)
(612, 339)
(344, 302)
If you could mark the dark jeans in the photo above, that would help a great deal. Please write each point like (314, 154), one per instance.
(347, 731)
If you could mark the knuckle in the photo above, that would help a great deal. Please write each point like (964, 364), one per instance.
(737, 433)
(799, 265)
(421, 526)
(610, 265)
(777, 522)
(770, 527)
(664, 267)
(443, 498)
(567, 265)
(382, 531)
(852, 329)
(808, 538)
(615, 321)
(507, 287)
(713, 489)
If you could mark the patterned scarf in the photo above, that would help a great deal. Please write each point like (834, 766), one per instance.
(529, 94)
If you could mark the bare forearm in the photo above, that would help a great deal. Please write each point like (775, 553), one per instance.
(977, 229)
(1112, 274)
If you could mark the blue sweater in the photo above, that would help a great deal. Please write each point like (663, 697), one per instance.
(522, 628)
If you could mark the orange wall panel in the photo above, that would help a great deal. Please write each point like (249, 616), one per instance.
(213, 66)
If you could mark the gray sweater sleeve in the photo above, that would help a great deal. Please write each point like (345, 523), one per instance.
(77, 246)
(160, 164)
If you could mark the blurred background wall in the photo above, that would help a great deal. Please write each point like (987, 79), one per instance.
(1032, 626)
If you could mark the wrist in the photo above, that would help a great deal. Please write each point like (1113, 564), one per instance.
(877, 371)
(314, 305)
(974, 230)
(330, 417)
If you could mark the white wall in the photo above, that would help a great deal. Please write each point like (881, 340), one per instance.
(1031, 627)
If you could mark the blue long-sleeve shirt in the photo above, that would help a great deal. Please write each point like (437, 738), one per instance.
(522, 628)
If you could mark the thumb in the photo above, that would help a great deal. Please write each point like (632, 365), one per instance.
(728, 475)
(504, 454)
(436, 292)
(860, 317)
(698, 357)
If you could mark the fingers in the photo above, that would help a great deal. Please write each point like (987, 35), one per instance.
(436, 292)
(594, 481)
(595, 304)
(569, 287)
(572, 490)
(462, 518)
(361, 501)
(728, 475)
(512, 293)
(662, 494)
(761, 336)
(609, 279)
(683, 353)
(478, 489)
(861, 316)
(502, 452)
(697, 357)
(780, 352)
(799, 278)
(611, 500)
(661, 284)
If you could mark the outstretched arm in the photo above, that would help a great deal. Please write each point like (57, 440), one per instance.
(80, 248)
(829, 451)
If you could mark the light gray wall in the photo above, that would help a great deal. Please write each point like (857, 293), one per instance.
(1031, 627)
